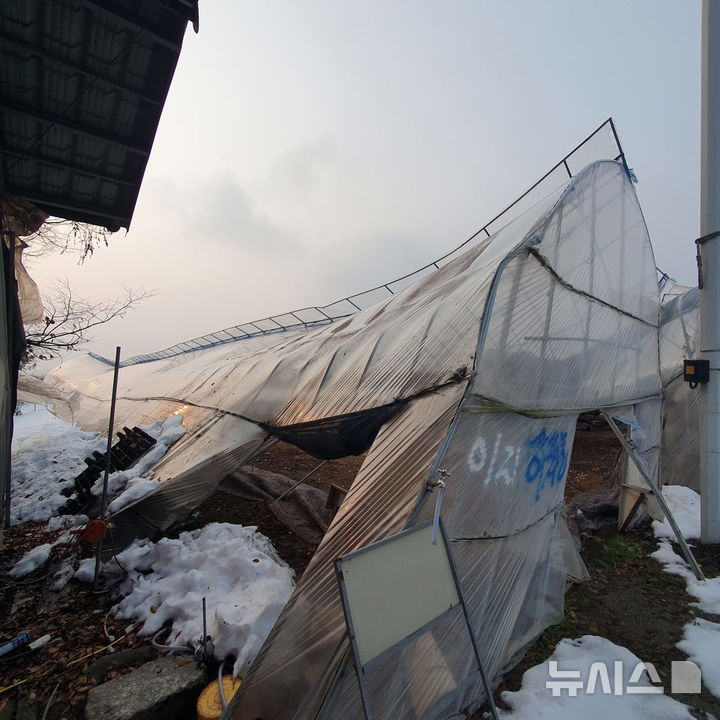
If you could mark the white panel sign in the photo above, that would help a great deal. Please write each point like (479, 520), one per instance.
(395, 587)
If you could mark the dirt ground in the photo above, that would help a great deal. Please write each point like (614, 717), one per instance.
(628, 600)
(82, 631)
(595, 453)
(295, 464)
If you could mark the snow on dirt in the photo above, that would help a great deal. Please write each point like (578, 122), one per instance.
(701, 638)
(31, 560)
(707, 591)
(48, 454)
(237, 570)
(595, 658)
(701, 643)
(37, 557)
(684, 504)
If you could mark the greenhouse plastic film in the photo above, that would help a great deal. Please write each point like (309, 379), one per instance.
(415, 340)
(567, 323)
(164, 509)
(681, 436)
(513, 587)
(548, 347)
(516, 464)
(303, 645)
(596, 240)
(679, 339)
(491, 358)
(679, 328)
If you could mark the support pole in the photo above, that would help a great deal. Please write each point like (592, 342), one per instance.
(657, 494)
(292, 488)
(111, 425)
(205, 635)
(262, 449)
(709, 256)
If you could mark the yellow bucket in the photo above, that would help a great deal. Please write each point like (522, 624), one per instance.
(209, 704)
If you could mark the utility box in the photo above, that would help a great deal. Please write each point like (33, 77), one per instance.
(696, 372)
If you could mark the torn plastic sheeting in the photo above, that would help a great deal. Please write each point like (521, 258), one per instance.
(679, 339)
(35, 391)
(311, 629)
(176, 498)
(577, 332)
(336, 437)
(163, 509)
(304, 510)
(637, 432)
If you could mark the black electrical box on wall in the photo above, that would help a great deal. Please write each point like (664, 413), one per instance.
(696, 372)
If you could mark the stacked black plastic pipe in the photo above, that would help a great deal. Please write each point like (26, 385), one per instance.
(130, 447)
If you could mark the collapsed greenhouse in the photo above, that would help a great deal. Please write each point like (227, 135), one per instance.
(479, 366)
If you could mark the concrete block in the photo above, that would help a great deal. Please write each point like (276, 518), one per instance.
(165, 688)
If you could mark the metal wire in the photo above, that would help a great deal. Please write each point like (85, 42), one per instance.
(320, 315)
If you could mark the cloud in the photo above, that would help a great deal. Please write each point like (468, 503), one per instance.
(221, 211)
(303, 167)
(372, 258)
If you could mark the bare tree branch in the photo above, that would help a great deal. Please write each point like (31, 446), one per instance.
(68, 319)
(66, 236)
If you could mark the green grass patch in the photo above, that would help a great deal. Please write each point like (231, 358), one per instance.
(618, 548)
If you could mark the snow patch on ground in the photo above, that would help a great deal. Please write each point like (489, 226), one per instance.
(707, 592)
(684, 504)
(32, 560)
(701, 643)
(237, 570)
(63, 575)
(137, 481)
(86, 570)
(701, 638)
(38, 556)
(534, 700)
(47, 454)
(60, 522)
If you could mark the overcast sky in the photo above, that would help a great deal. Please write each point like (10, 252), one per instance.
(310, 149)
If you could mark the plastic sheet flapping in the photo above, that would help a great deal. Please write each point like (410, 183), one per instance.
(643, 423)
(512, 552)
(163, 510)
(494, 354)
(307, 645)
(679, 339)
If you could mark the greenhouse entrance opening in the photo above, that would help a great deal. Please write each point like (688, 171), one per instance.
(592, 489)
(285, 492)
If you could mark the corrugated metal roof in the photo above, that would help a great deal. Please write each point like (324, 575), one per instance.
(82, 87)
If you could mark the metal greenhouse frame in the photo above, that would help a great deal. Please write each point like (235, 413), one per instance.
(479, 364)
